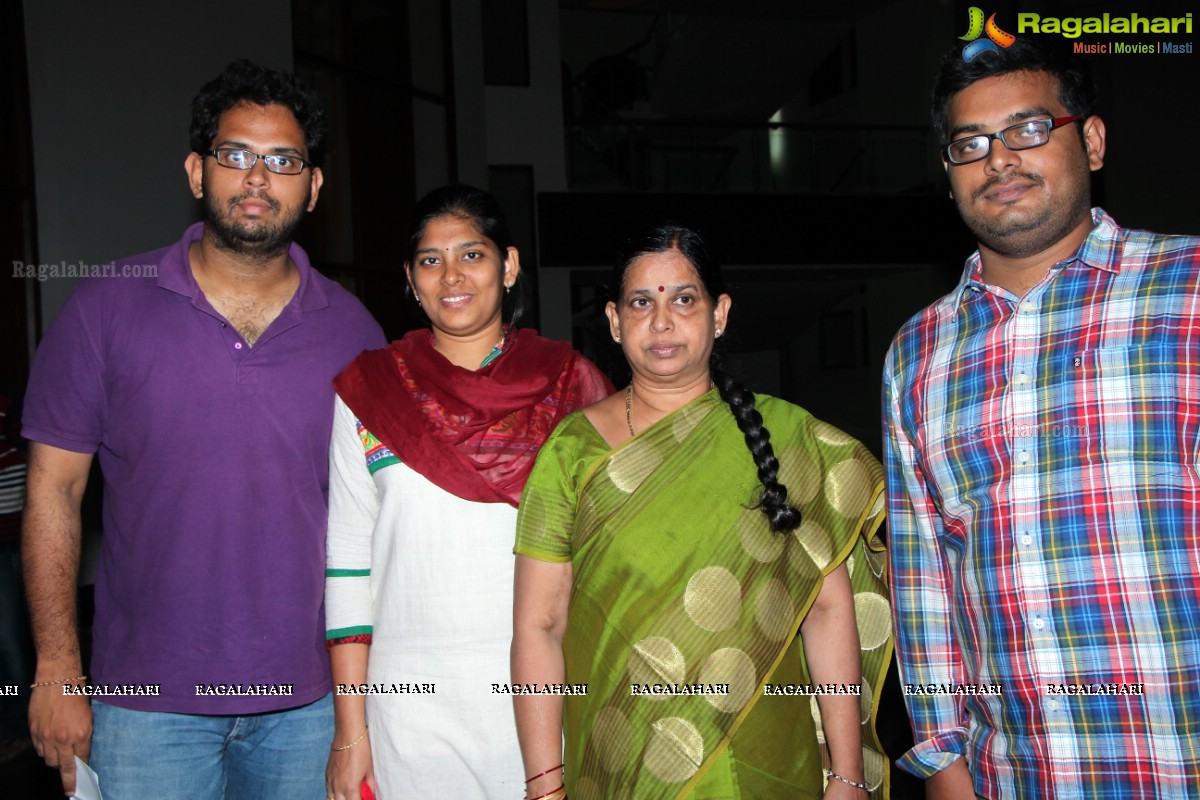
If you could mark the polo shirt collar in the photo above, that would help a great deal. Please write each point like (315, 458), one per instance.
(175, 273)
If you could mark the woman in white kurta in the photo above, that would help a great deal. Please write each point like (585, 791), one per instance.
(433, 439)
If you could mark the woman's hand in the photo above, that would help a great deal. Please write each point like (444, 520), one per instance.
(346, 771)
(836, 790)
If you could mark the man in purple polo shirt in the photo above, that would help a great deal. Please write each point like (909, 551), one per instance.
(205, 387)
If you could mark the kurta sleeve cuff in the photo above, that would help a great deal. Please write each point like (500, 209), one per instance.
(333, 639)
(933, 755)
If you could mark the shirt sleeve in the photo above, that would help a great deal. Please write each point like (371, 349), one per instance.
(353, 512)
(546, 515)
(926, 648)
(66, 404)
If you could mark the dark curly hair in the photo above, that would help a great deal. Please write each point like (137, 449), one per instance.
(781, 515)
(243, 81)
(1076, 88)
(483, 211)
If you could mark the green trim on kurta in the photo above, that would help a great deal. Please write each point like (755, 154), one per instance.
(347, 573)
(380, 463)
(342, 633)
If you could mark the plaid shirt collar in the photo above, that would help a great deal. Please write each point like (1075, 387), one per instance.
(1100, 250)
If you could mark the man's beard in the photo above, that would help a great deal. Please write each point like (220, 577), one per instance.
(261, 240)
(1036, 232)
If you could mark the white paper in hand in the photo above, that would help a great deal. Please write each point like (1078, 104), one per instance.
(87, 785)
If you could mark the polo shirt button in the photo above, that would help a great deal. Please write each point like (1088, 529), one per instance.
(237, 345)
(1023, 456)
(1027, 539)
(1039, 623)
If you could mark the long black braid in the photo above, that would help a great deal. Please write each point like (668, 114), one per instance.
(781, 515)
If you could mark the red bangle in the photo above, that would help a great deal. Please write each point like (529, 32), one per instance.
(547, 772)
(561, 786)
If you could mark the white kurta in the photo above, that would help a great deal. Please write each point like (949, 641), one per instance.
(438, 602)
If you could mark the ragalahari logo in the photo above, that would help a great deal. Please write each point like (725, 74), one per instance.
(976, 27)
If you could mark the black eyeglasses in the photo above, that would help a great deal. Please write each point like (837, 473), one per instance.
(234, 158)
(1022, 136)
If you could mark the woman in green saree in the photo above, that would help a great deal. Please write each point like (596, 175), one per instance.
(723, 610)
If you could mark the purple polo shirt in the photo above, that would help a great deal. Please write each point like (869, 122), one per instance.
(215, 461)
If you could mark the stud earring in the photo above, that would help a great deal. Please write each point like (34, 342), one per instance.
(718, 332)
(617, 339)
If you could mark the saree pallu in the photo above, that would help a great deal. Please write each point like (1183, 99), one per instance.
(679, 582)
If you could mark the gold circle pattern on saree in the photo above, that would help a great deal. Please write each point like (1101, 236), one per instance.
(815, 710)
(759, 541)
(815, 541)
(877, 506)
(627, 468)
(800, 474)
(877, 559)
(675, 750)
(831, 435)
(585, 519)
(874, 619)
(732, 666)
(848, 488)
(774, 611)
(874, 765)
(656, 659)
(612, 736)
(713, 598)
(686, 419)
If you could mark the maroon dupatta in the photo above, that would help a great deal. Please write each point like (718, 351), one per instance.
(474, 434)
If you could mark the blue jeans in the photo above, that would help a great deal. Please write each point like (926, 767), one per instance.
(150, 754)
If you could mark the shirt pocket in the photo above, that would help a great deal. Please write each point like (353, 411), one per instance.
(1132, 404)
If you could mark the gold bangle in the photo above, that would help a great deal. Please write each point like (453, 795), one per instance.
(58, 682)
(361, 736)
(558, 794)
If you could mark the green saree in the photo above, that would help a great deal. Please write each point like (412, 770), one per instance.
(680, 591)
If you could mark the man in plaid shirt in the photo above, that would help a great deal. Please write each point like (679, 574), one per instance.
(1042, 432)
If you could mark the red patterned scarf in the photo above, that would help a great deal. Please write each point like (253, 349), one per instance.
(475, 434)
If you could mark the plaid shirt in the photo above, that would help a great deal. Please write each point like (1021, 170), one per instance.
(1044, 509)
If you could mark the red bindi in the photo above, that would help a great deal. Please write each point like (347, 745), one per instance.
(662, 288)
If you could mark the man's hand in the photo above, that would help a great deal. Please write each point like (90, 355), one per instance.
(61, 728)
(60, 725)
